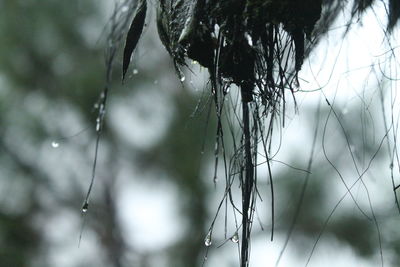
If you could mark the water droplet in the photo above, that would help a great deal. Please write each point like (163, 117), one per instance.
(85, 207)
(135, 71)
(249, 39)
(183, 78)
(124, 8)
(235, 238)
(55, 144)
(194, 62)
(98, 124)
(207, 240)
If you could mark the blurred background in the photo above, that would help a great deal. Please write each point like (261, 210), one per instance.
(154, 198)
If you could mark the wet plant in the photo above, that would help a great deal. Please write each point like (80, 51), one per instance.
(253, 51)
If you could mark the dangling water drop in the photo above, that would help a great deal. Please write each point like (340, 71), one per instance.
(207, 240)
(235, 238)
(183, 78)
(85, 207)
(135, 71)
(98, 124)
(55, 144)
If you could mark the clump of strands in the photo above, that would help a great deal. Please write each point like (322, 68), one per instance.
(257, 47)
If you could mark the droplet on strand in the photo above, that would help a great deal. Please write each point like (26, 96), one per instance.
(235, 238)
(207, 240)
(85, 207)
(55, 144)
(98, 124)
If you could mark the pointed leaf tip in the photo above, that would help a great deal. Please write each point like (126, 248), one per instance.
(394, 14)
(133, 36)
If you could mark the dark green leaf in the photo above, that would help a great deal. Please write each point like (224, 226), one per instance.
(394, 13)
(134, 34)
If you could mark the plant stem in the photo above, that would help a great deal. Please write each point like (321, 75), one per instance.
(247, 187)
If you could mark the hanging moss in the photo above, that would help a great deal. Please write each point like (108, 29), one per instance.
(259, 45)
(237, 40)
